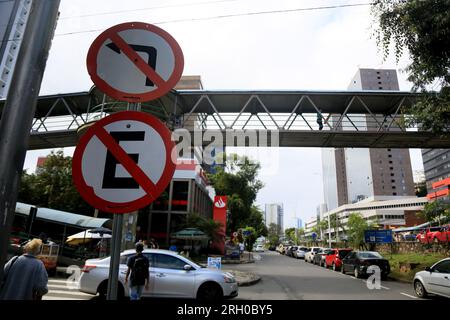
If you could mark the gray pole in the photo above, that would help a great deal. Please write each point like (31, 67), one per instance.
(115, 257)
(19, 110)
(116, 243)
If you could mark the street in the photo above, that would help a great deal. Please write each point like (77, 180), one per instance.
(285, 278)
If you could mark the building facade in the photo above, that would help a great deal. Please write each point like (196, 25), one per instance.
(436, 164)
(385, 211)
(273, 213)
(353, 174)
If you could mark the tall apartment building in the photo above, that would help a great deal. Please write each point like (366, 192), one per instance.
(436, 164)
(354, 174)
(274, 214)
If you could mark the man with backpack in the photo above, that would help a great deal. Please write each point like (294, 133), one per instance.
(138, 267)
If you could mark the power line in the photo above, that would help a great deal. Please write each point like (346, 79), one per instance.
(236, 15)
(145, 9)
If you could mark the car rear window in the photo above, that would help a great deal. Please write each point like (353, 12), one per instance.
(369, 255)
(343, 253)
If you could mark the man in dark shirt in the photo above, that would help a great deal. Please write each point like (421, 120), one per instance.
(138, 267)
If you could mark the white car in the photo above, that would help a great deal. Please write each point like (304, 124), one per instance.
(435, 280)
(259, 248)
(300, 252)
(171, 276)
(309, 255)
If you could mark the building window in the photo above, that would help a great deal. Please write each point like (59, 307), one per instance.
(393, 181)
(394, 187)
(392, 174)
(380, 88)
(391, 168)
(390, 161)
(180, 195)
(394, 193)
(389, 149)
(389, 155)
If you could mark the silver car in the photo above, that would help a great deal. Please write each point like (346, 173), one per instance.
(435, 280)
(171, 276)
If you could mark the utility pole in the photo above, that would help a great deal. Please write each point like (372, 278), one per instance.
(19, 110)
(329, 231)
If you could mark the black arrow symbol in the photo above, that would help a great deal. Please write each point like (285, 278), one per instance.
(151, 51)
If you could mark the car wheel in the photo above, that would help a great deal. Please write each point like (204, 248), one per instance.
(419, 289)
(356, 273)
(210, 292)
(436, 240)
(103, 290)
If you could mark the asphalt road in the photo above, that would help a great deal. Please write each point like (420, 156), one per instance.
(285, 278)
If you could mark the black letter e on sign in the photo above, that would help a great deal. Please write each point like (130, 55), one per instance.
(110, 181)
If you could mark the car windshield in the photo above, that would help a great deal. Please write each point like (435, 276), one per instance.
(369, 254)
(316, 250)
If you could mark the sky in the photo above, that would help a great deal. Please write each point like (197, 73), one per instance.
(233, 44)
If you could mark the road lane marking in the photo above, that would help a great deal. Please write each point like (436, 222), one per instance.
(408, 295)
(386, 288)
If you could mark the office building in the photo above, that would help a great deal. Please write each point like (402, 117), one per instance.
(436, 164)
(274, 214)
(353, 174)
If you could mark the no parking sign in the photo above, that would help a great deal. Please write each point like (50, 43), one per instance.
(123, 162)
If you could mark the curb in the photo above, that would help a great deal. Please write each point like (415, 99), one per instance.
(249, 283)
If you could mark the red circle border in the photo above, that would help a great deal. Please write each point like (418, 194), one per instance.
(91, 62)
(87, 192)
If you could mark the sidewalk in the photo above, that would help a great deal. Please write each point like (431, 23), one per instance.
(244, 278)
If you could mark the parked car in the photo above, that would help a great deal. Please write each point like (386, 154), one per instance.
(319, 257)
(259, 248)
(310, 254)
(360, 261)
(334, 258)
(171, 276)
(272, 248)
(300, 252)
(434, 280)
(291, 250)
(434, 235)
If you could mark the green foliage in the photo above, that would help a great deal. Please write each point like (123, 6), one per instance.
(291, 235)
(52, 187)
(273, 234)
(421, 188)
(435, 211)
(239, 182)
(250, 239)
(356, 226)
(210, 227)
(423, 29)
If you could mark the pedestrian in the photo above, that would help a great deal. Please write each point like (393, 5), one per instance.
(25, 277)
(319, 120)
(138, 272)
(153, 244)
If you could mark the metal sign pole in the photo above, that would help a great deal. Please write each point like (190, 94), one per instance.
(116, 244)
(19, 110)
(115, 257)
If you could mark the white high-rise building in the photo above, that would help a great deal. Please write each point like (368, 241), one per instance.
(274, 214)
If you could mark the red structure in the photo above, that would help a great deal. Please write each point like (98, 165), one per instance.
(220, 215)
(442, 189)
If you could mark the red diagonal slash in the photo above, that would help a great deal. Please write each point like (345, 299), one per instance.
(133, 169)
(137, 60)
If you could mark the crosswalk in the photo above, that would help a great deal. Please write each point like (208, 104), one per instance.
(59, 290)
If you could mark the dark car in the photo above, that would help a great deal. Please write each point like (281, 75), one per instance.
(319, 257)
(359, 262)
(290, 251)
(272, 248)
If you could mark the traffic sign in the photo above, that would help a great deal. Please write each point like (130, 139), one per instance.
(123, 162)
(378, 236)
(135, 62)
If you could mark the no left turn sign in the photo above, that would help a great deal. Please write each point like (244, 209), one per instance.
(123, 162)
(135, 62)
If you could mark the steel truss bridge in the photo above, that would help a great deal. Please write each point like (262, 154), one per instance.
(363, 119)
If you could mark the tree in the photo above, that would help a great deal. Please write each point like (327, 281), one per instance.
(435, 211)
(256, 221)
(52, 187)
(421, 188)
(250, 238)
(239, 182)
(335, 224)
(290, 234)
(356, 226)
(210, 227)
(273, 234)
(423, 29)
